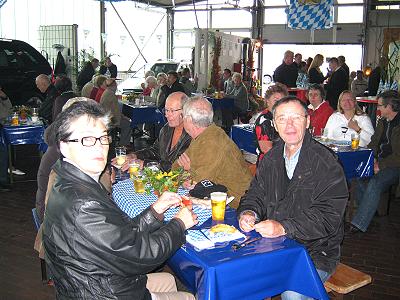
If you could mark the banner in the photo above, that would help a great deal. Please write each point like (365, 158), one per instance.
(2, 2)
(310, 14)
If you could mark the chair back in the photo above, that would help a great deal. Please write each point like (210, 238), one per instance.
(36, 219)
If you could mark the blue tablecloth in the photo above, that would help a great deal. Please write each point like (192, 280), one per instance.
(221, 103)
(24, 135)
(244, 137)
(356, 164)
(133, 203)
(267, 267)
(143, 114)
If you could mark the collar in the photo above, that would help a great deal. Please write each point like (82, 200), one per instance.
(312, 107)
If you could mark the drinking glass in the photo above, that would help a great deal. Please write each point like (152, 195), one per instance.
(139, 184)
(120, 154)
(153, 165)
(355, 141)
(134, 168)
(218, 205)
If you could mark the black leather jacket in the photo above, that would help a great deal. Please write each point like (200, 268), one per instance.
(93, 250)
(160, 151)
(310, 207)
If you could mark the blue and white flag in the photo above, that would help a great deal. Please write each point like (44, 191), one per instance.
(2, 2)
(306, 14)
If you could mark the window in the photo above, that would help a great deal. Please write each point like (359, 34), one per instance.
(231, 19)
(350, 14)
(275, 16)
(187, 19)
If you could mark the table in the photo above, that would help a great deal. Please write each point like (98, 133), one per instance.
(244, 137)
(143, 114)
(22, 135)
(265, 268)
(369, 104)
(356, 164)
(222, 103)
(300, 93)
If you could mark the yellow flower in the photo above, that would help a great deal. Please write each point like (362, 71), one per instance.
(159, 176)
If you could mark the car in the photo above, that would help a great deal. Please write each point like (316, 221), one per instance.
(133, 83)
(20, 64)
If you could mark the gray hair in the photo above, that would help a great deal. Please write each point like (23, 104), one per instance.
(89, 108)
(149, 73)
(73, 100)
(200, 110)
(150, 79)
(237, 75)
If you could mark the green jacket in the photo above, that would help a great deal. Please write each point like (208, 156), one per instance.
(214, 156)
(392, 160)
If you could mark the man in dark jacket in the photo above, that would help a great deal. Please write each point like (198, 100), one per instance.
(86, 74)
(287, 72)
(172, 141)
(338, 82)
(299, 191)
(173, 85)
(45, 86)
(92, 249)
(385, 143)
(109, 69)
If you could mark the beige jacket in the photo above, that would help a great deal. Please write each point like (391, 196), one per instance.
(214, 156)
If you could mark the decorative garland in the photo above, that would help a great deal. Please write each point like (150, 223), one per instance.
(216, 68)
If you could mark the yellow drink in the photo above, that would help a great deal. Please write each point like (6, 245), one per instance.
(218, 204)
(133, 170)
(121, 159)
(355, 143)
(139, 185)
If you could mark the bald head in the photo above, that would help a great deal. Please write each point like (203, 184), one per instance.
(42, 82)
(177, 98)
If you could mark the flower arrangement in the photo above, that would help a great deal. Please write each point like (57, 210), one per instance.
(23, 111)
(164, 181)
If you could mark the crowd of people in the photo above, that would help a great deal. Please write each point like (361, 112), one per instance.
(299, 189)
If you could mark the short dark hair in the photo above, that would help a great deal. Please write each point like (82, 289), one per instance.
(173, 73)
(391, 98)
(317, 87)
(90, 108)
(228, 71)
(63, 84)
(289, 99)
(334, 59)
(185, 71)
(94, 60)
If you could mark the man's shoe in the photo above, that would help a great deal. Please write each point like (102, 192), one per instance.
(17, 172)
(350, 230)
(5, 187)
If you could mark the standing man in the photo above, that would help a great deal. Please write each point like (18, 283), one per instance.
(45, 86)
(109, 69)
(172, 86)
(287, 72)
(298, 58)
(345, 67)
(86, 74)
(319, 110)
(299, 191)
(212, 154)
(385, 143)
(337, 83)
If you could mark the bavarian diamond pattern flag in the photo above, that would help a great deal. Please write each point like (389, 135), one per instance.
(310, 14)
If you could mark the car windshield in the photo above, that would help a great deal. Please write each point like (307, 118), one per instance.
(163, 67)
(16, 59)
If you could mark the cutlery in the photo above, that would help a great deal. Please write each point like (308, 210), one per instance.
(238, 246)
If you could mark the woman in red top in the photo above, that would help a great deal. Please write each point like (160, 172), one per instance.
(264, 129)
(319, 110)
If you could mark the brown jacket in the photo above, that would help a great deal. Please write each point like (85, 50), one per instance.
(214, 156)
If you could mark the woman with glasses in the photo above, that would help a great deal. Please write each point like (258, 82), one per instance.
(264, 129)
(349, 119)
(92, 249)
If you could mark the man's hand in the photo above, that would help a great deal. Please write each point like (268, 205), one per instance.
(184, 161)
(247, 221)
(129, 159)
(166, 200)
(376, 167)
(189, 184)
(187, 216)
(270, 228)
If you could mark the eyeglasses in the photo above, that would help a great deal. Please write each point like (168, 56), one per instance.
(165, 110)
(89, 141)
(283, 119)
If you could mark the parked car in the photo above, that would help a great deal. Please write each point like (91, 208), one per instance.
(133, 83)
(20, 64)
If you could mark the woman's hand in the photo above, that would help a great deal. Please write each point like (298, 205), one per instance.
(353, 124)
(166, 201)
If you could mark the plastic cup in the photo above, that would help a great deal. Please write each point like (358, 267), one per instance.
(218, 205)
(355, 141)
